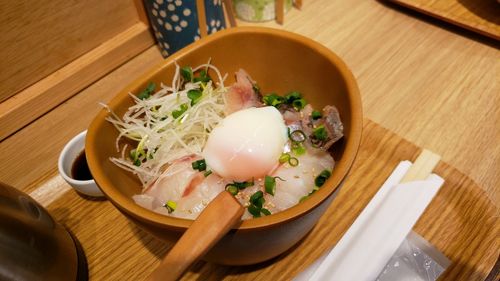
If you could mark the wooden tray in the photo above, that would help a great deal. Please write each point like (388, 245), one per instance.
(482, 16)
(460, 222)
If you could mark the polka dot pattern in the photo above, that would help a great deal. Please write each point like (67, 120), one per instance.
(175, 22)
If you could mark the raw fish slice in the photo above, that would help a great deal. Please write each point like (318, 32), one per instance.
(241, 94)
(333, 124)
(172, 184)
(330, 120)
(192, 203)
(298, 180)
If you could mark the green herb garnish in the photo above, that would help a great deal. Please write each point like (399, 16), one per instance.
(194, 95)
(315, 115)
(203, 77)
(284, 158)
(187, 73)
(298, 149)
(146, 93)
(235, 187)
(254, 210)
(232, 189)
(265, 211)
(319, 133)
(176, 113)
(257, 199)
(207, 173)
(270, 184)
(322, 177)
(171, 206)
(256, 202)
(299, 104)
(199, 165)
(292, 96)
(273, 100)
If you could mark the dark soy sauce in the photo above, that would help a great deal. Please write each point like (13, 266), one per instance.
(80, 170)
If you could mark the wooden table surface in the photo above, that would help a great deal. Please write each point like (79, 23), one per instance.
(431, 83)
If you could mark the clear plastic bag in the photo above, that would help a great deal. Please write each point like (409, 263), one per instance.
(415, 260)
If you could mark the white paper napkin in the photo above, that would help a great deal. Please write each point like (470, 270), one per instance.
(376, 234)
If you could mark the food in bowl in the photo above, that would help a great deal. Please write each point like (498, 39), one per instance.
(276, 59)
(197, 138)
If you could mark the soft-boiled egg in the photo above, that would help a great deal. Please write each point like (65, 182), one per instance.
(246, 144)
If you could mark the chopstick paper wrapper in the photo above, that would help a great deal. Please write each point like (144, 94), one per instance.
(382, 226)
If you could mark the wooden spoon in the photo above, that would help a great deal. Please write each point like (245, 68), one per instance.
(212, 224)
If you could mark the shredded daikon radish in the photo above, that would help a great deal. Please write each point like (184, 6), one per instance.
(162, 137)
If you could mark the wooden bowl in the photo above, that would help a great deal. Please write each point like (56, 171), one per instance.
(278, 61)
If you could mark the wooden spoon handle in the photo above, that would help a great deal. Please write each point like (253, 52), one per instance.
(212, 224)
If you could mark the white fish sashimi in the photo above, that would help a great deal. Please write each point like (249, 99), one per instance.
(190, 189)
(241, 94)
(298, 181)
(294, 182)
(173, 182)
(191, 204)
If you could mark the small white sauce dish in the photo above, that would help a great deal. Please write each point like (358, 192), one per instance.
(66, 159)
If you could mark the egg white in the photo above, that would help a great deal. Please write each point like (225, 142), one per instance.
(246, 144)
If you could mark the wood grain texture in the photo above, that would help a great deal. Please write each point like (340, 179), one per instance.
(30, 154)
(44, 95)
(460, 222)
(481, 16)
(39, 37)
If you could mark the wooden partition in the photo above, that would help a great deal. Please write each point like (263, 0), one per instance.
(50, 50)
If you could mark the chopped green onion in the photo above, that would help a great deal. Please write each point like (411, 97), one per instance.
(293, 161)
(298, 149)
(235, 187)
(177, 113)
(232, 189)
(265, 211)
(270, 184)
(170, 205)
(273, 100)
(315, 115)
(257, 199)
(292, 96)
(187, 73)
(297, 136)
(146, 93)
(244, 184)
(256, 202)
(194, 95)
(199, 165)
(322, 177)
(207, 173)
(299, 104)
(284, 158)
(320, 133)
(254, 210)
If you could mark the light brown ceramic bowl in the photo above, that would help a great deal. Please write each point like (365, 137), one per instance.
(280, 62)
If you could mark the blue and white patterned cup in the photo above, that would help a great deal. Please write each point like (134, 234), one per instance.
(175, 22)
